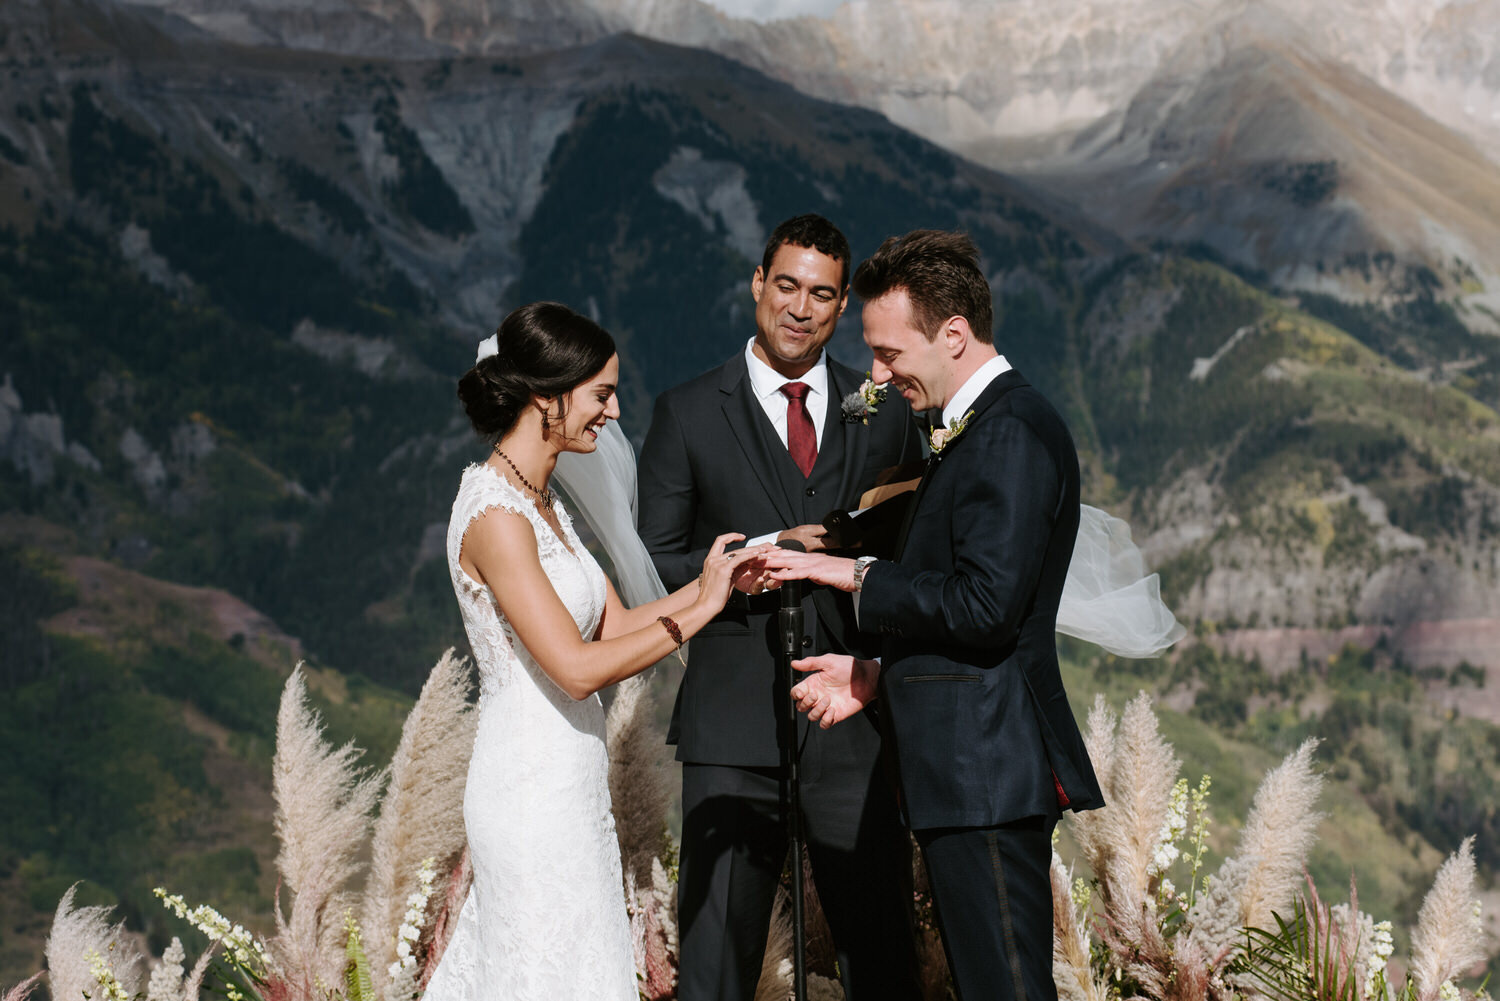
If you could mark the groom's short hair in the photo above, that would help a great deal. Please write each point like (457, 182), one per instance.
(814, 232)
(939, 272)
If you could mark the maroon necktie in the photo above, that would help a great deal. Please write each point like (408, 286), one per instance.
(801, 436)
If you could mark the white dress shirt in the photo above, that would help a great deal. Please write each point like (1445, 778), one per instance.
(766, 382)
(972, 387)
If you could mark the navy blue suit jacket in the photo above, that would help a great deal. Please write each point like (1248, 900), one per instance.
(975, 711)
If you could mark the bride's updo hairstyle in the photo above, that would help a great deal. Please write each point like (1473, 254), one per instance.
(544, 349)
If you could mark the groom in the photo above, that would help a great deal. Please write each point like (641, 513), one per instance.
(987, 750)
(760, 445)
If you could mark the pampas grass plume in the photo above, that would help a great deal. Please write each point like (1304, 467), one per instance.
(75, 933)
(636, 790)
(1142, 771)
(22, 991)
(1449, 938)
(323, 806)
(1072, 969)
(1089, 827)
(422, 814)
(775, 982)
(1266, 869)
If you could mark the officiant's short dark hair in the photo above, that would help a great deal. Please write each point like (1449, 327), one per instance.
(939, 271)
(543, 348)
(813, 231)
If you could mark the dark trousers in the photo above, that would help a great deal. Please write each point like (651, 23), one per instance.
(734, 846)
(992, 893)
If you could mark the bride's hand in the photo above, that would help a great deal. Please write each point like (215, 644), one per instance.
(722, 570)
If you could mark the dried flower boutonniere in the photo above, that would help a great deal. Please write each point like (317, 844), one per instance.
(943, 437)
(864, 401)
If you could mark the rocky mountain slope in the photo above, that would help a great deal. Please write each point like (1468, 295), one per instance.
(1305, 142)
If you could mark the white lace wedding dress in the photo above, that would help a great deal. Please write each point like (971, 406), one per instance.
(546, 919)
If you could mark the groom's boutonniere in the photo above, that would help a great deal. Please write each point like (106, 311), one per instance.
(943, 437)
(864, 401)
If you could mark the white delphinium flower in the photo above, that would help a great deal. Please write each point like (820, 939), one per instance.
(105, 977)
(1173, 827)
(166, 978)
(243, 948)
(1199, 837)
(1383, 946)
(403, 971)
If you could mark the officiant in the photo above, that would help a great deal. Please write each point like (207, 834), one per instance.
(762, 445)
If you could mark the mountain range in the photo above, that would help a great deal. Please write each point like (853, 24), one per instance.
(246, 248)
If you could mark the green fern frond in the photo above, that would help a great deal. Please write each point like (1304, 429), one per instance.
(358, 985)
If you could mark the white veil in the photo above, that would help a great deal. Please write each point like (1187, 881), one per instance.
(601, 485)
(1108, 598)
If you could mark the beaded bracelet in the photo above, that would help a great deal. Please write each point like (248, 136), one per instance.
(673, 629)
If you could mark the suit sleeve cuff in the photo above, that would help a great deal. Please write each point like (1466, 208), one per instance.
(880, 601)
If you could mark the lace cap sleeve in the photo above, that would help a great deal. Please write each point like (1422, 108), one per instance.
(480, 491)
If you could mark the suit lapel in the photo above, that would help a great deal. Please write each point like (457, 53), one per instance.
(911, 509)
(993, 393)
(856, 436)
(764, 452)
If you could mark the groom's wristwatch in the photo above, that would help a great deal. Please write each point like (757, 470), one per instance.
(860, 566)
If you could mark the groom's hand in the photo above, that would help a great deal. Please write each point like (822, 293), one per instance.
(837, 687)
(820, 568)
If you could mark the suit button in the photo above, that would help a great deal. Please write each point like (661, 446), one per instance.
(812, 491)
(807, 641)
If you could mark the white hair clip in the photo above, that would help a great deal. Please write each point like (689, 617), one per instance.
(488, 347)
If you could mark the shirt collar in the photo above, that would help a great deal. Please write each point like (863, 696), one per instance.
(766, 381)
(972, 387)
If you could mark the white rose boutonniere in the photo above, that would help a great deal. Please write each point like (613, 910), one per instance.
(864, 401)
(943, 437)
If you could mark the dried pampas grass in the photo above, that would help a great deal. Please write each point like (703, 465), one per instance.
(421, 815)
(1072, 968)
(22, 991)
(638, 797)
(775, 982)
(1449, 938)
(323, 807)
(1265, 871)
(1089, 826)
(636, 790)
(1136, 770)
(77, 933)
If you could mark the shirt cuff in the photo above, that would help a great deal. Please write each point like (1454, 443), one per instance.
(761, 540)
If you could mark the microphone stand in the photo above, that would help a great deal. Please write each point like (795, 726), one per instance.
(791, 622)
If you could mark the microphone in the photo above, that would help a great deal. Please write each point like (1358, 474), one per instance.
(791, 607)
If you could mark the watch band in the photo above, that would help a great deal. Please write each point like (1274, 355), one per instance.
(860, 566)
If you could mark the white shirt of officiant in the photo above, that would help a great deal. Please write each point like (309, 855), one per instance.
(766, 383)
(962, 400)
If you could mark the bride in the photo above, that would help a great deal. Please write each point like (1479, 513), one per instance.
(545, 918)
